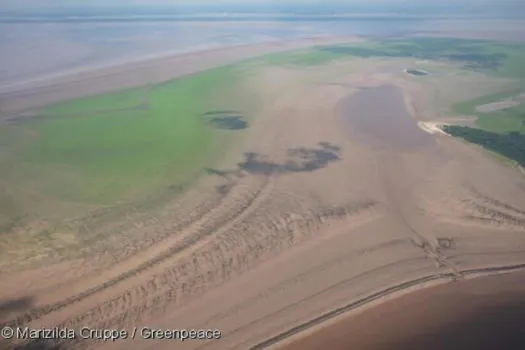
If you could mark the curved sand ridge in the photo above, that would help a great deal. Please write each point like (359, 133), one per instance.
(432, 127)
(313, 214)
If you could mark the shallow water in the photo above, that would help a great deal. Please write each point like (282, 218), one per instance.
(379, 116)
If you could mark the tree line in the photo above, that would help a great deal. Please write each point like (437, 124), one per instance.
(510, 145)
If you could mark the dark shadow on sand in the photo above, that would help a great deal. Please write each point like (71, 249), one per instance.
(221, 112)
(226, 120)
(15, 305)
(41, 344)
(299, 160)
(228, 123)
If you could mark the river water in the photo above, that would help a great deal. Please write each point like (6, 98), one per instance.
(481, 314)
(36, 50)
(379, 117)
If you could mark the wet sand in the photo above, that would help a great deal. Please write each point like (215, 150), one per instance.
(482, 314)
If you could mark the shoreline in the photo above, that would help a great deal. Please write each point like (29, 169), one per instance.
(47, 79)
(303, 332)
(16, 85)
(433, 127)
(114, 65)
(142, 72)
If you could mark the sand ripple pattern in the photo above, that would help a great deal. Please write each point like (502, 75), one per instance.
(229, 239)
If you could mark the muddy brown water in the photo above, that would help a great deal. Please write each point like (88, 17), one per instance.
(486, 313)
(378, 115)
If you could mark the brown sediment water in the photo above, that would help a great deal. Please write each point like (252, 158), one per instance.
(379, 115)
(479, 314)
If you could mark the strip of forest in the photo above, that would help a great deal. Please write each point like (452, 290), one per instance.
(510, 145)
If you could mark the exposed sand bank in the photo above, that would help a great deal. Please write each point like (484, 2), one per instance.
(501, 105)
(432, 127)
(312, 216)
(497, 106)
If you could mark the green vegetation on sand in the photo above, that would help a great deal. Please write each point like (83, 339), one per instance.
(114, 148)
(416, 72)
(468, 108)
(487, 57)
(501, 131)
(504, 121)
(103, 153)
(502, 59)
(306, 57)
(495, 58)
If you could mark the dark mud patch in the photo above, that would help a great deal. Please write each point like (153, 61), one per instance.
(302, 159)
(226, 120)
(298, 160)
(228, 123)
